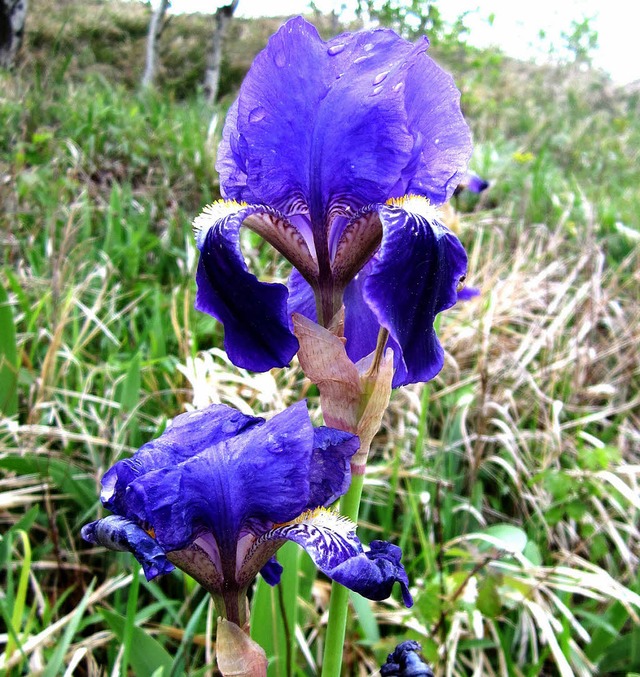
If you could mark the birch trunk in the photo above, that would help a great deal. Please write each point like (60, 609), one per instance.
(13, 14)
(222, 20)
(155, 28)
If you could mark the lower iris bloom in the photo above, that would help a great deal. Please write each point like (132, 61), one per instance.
(219, 492)
(335, 153)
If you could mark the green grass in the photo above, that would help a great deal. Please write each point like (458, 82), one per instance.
(511, 481)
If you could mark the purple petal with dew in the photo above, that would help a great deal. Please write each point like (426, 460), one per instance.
(261, 476)
(118, 533)
(254, 313)
(442, 140)
(335, 549)
(412, 278)
(284, 142)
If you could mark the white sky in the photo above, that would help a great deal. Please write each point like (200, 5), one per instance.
(515, 29)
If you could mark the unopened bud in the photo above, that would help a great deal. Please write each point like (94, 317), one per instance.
(237, 654)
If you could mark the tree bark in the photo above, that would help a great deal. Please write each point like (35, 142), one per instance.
(13, 14)
(222, 19)
(155, 29)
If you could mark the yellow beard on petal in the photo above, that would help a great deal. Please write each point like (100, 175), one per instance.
(416, 204)
(213, 213)
(323, 517)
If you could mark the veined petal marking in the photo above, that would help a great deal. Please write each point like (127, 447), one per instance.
(282, 235)
(357, 244)
(267, 222)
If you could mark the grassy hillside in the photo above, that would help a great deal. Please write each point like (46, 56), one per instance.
(511, 481)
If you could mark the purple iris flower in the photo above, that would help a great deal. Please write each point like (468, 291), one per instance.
(405, 661)
(336, 153)
(219, 492)
(472, 182)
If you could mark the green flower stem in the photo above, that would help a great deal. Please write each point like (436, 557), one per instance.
(337, 624)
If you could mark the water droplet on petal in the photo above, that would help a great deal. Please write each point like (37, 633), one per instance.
(360, 59)
(376, 90)
(368, 47)
(257, 114)
(380, 77)
(229, 426)
(280, 59)
(336, 49)
(398, 86)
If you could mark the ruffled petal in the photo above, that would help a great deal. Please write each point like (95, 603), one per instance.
(332, 544)
(254, 313)
(442, 140)
(413, 277)
(186, 436)
(330, 126)
(330, 474)
(119, 533)
(262, 476)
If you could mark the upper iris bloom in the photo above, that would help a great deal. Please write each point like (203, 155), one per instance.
(335, 153)
(219, 492)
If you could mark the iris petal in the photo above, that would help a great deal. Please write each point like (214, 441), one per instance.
(254, 313)
(301, 297)
(284, 142)
(272, 571)
(217, 471)
(330, 468)
(413, 277)
(119, 533)
(442, 140)
(332, 544)
(185, 437)
(222, 486)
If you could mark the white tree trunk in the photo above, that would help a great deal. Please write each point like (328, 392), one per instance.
(155, 28)
(13, 14)
(222, 20)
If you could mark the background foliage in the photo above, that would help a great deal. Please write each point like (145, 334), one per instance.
(511, 481)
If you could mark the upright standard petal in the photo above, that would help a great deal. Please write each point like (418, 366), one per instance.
(225, 487)
(284, 142)
(323, 126)
(442, 140)
(185, 437)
